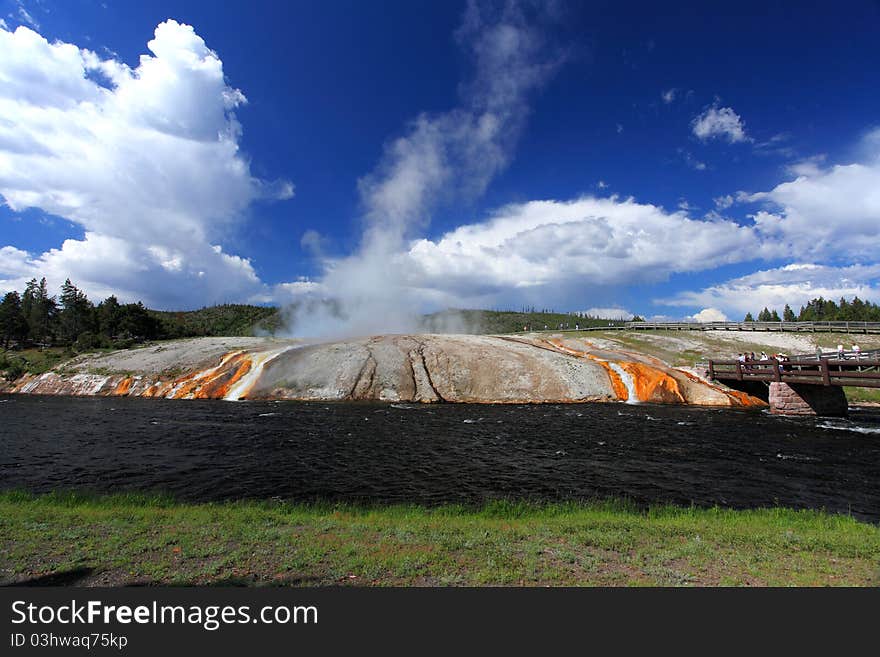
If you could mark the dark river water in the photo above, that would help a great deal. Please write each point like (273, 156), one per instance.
(215, 450)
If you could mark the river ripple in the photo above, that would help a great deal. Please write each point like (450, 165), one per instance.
(431, 454)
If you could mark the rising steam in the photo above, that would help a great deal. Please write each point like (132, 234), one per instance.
(440, 158)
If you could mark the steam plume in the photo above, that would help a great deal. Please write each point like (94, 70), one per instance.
(440, 158)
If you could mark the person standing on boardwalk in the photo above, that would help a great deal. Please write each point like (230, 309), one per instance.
(840, 353)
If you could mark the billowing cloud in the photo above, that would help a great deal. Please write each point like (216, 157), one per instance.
(719, 123)
(146, 160)
(586, 242)
(793, 284)
(824, 213)
(827, 214)
(556, 250)
(709, 315)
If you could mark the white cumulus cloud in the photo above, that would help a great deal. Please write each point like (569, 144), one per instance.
(145, 160)
(709, 315)
(794, 284)
(548, 246)
(719, 123)
(824, 213)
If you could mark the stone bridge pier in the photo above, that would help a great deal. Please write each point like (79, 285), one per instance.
(806, 399)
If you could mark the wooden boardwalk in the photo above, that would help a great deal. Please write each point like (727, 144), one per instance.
(793, 327)
(851, 370)
(787, 327)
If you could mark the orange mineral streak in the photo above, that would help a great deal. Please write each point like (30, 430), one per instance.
(653, 384)
(218, 387)
(214, 382)
(738, 397)
(159, 390)
(180, 387)
(617, 384)
(744, 398)
(122, 387)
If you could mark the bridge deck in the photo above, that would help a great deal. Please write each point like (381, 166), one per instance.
(863, 371)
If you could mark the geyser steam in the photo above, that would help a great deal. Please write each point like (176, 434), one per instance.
(440, 158)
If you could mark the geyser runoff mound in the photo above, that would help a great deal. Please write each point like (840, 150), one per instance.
(405, 368)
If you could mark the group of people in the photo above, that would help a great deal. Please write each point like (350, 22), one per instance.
(750, 357)
(562, 326)
(841, 353)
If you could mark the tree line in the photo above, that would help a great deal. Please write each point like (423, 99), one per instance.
(37, 318)
(823, 310)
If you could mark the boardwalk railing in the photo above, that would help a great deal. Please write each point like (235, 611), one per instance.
(851, 370)
(810, 327)
(792, 327)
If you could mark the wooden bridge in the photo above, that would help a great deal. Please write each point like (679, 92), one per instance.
(852, 370)
(802, 385)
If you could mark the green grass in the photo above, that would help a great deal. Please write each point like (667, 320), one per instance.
(861, 395)
(37, 361)
(132, 539)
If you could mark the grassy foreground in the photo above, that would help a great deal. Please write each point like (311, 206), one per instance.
(117, 540)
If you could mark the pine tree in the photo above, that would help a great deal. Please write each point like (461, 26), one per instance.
(13, 326)
(76, 312)
(774, 316)
(136, 322)
(788, 314)
(39, 310)
(108, 316)
(749, 318)
(857, 308)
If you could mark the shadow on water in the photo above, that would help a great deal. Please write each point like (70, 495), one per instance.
(441, 454)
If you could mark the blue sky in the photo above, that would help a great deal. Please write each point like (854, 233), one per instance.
(682, 161)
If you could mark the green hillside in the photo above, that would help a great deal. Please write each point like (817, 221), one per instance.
(508, 321)
(223, 320)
